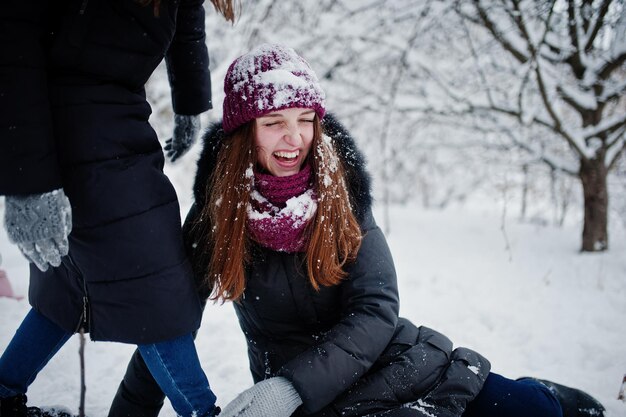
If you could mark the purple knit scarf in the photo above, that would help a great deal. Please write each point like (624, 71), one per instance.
(279, 210)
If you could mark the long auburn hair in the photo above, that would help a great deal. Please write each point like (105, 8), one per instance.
(226, 8)
(334, 233)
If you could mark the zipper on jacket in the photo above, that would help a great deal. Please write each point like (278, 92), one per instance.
(84, 321)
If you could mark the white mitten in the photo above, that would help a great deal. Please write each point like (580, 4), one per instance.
(274, 397)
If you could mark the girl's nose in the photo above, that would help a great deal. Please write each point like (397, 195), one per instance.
(293, 134)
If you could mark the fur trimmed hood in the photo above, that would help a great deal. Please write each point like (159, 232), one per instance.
(357, 177)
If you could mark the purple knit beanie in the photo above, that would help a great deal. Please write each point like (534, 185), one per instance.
(269, 78)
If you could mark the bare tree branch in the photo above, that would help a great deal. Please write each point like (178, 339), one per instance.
(575, 31)
(517, 16)
(254, 34)
(524, 145)
(83, 385)
(497, 34)
(567, 97)
(364, 8)
(389, 110)
(613, 93)
(613, 161)
(558, 125)
(543, 90)
(532, 49)
(596, 24)
(610, 66)
(472, 108)
(479, 69)
(554, 53)
(516, 143)
(606, 127)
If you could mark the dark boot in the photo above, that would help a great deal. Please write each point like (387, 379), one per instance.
(574, 402)
(48, 412)
(16, 407)
(138, 394)
(13, 406)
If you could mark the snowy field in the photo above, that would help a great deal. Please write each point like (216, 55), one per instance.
(521, 294)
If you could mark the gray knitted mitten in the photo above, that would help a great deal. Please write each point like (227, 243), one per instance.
(39, 224)
(186, 130)
(274, 397)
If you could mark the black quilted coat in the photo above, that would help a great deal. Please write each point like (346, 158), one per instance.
(73, 114)
(343, 347)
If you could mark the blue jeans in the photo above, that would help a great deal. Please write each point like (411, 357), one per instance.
(174, 364)
(505, 397)
(35, 342)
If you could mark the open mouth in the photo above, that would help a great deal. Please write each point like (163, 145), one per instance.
(286, 157)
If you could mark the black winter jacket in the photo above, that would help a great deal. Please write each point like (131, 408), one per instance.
(343, 347)
(73, 114)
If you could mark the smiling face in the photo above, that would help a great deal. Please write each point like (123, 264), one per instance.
(283, 140)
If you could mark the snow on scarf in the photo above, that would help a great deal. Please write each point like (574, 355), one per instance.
(280, 209)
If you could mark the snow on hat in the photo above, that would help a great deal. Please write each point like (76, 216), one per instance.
(269, 78)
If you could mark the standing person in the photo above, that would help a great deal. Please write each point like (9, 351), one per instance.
(78, 155)
(282, 225)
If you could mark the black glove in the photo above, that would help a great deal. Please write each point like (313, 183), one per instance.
(185, 132)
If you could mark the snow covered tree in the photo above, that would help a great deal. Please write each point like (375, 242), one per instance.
(568, 57)
(518, 92)
(366, 55)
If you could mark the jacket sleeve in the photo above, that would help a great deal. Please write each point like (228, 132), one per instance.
(369, 314)
(187, 61)
(193, 236)
(28, 160)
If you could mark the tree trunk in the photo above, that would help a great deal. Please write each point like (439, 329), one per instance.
(593, 177)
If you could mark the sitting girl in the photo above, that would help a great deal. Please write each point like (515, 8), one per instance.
(282, 225)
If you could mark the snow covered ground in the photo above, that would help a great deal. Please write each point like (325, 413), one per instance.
(521, 294)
